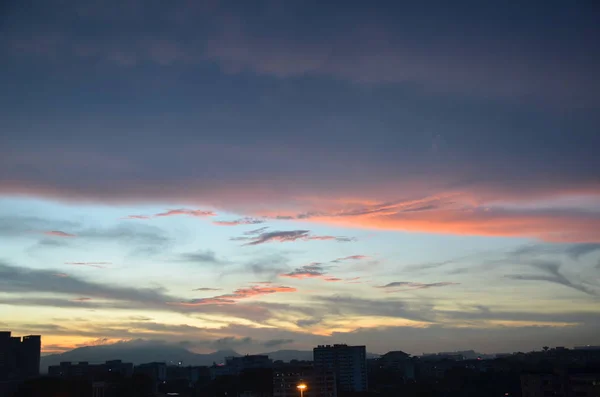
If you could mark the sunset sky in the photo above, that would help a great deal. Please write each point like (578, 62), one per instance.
(264, 175)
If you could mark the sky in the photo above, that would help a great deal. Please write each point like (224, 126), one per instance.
(279, 174)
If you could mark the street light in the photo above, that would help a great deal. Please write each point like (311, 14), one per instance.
(301, 387)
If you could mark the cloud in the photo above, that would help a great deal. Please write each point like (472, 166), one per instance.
(464, 218)
(231, 342)
(277, 342)
(58, 233)
(207, 289)
(206, 256)
(408, 285)
(576, 251)
(25, 280)
(550, 272)
(288, 236)
(174, 212)
(136, 217)
(188, 212)
(312, 270)
(344, 305)
(350, 258)
(241, 221)
(98, 265)
(238, 294)
(256, 231)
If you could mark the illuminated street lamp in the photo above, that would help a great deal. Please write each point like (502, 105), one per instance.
(301, 387)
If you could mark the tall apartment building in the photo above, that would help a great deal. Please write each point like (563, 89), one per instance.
(19, 358)
(287, 377)
(348, 363)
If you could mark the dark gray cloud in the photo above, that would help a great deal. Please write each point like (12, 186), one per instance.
(277, 342)
(231, 342)
(576, 251)
(350, 258)
(549, 271)
(348, 305)
(409, 285)
(26, 280)
(203, 256)
(288, 236)
(315, 269)
(207, 289)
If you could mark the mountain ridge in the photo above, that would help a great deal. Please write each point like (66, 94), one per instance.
(145, 352)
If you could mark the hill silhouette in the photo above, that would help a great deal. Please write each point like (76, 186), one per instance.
(145, 351)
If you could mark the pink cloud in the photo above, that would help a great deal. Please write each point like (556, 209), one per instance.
(238, 294)
(175, 212)
(377, 203)
(58, 233)
(136, 217)
(188, 212)
(61, 275)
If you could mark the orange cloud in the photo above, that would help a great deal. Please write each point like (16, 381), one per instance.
(464, 217)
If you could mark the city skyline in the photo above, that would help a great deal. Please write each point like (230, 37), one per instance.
(282, 175)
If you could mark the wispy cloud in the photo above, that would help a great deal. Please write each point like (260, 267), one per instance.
(207, 289)
(241, 221)
(312, 270)
(187, 212)
(137, 217)
(260, 230)
(203, 256)
(175, 212)
(350, 258)
(59, 233)
(98, 265)
(399, 286)
(288, 236)
(238, 294)
(550, 272)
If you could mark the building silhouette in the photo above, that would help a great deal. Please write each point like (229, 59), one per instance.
(348, 363)
(19, 357)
